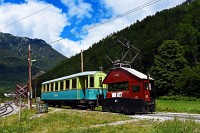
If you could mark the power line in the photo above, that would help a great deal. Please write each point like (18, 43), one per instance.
(111, 19)
(92, 27)
(24, 17)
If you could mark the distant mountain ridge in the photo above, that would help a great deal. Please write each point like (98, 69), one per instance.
(14, 62)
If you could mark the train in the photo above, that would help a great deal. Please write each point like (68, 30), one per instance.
(123, 90)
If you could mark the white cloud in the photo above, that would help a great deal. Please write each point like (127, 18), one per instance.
(49, 24)
(119, 7)
(94, 35)
(78, 8)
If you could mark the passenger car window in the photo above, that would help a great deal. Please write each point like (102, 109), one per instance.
(100, 81)
(91, 81)
(67, 84)
(73, 83)
(61, 85)
(56, 86)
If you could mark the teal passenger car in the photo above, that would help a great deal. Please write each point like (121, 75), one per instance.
(83, 89)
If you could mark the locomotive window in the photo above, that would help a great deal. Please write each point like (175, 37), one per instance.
(146, 85)
(150, 86)
(91, 81)
(67, 84)
(135, 88)
(118, 86)
(73, 83)
(100, 81)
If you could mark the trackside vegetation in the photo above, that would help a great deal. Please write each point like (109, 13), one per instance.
(76, 121)
(178, 106)
(57, 120)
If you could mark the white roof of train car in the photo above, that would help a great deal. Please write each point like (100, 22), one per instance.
(136, 73)
(72, 76)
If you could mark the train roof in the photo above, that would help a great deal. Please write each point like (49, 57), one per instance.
(72, 76)
(129, 70)
(137, 73)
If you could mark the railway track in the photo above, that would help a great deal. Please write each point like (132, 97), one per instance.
(6, 109)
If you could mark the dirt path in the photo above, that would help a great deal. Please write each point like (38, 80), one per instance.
(168, 116)
(159, 116)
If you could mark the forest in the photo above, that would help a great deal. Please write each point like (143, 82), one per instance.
(169, 50)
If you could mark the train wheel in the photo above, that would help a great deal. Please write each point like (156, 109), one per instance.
(91, 106)
(122, 109)
(53, 105)
(126, 111)
(110, 109)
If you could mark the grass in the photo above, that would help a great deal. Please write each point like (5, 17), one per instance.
(178, 106)
(143, 126)
(82, 121)
(74, 121)
(63, 121)
(176, 126)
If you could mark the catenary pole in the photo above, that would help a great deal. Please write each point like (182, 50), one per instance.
(29, 79)
(82, 64)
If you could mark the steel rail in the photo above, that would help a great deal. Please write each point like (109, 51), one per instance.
(4, 109)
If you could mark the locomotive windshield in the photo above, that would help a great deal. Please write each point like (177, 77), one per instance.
(118, 86)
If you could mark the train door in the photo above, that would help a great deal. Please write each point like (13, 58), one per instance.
(82, 83)
(146, 91)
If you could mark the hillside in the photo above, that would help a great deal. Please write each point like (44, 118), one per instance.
(14, 63)
(180, 24)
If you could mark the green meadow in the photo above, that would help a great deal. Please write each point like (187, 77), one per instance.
(83, 121)
(180, 106)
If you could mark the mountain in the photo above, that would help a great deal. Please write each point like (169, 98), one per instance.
(181, 24)
(14, 62)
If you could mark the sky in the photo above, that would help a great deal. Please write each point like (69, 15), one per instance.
(76, 23)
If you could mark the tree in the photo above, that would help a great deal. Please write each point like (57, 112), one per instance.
(189, 81)
(188, 37)
(168, 63)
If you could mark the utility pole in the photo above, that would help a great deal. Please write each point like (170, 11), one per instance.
(82, 65)
(29, 79)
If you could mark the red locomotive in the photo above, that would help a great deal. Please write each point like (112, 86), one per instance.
(133, 91)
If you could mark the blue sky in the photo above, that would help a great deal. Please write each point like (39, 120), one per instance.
(60, 19)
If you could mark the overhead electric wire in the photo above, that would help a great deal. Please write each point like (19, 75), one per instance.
(111, 19)
(25, 17)
(92, 27)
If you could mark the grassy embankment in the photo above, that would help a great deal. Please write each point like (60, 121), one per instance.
(178, 106)
(76, 121)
